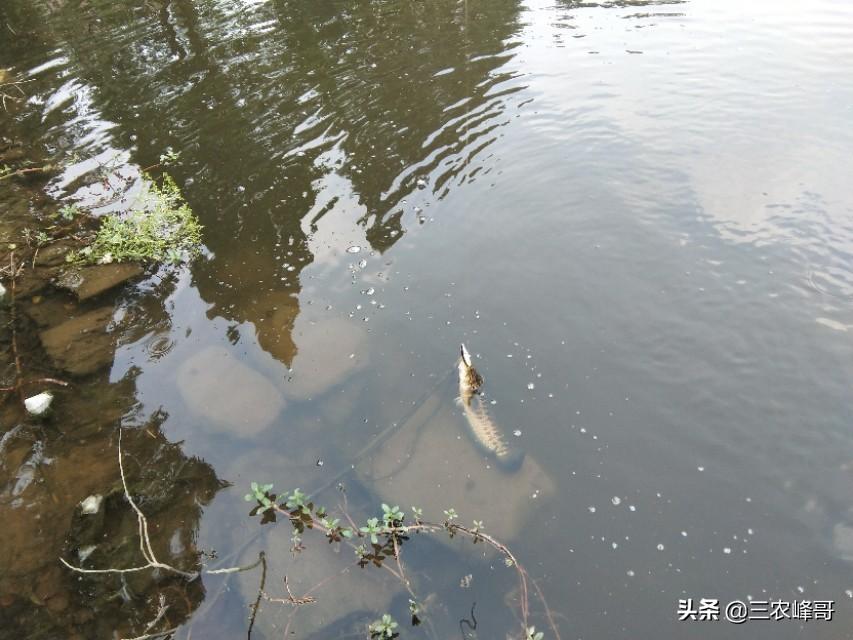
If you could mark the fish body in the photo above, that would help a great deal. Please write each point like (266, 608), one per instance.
(485, 433)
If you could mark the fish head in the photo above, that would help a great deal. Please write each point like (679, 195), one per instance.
(469, 380)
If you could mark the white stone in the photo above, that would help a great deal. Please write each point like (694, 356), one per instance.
(37, 405)
(84, 552)
(92, 504)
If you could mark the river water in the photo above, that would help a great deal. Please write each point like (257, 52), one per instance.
(636, 215)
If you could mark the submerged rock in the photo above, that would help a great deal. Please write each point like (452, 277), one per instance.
(53, 255)
(81, 345)
(229, 395)
(48, 311)
(91, 281)
(432, 445)
(328, 351)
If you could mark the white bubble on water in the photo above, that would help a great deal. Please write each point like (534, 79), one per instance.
(660, 547)
(591, 509)
(616, 500)
(353, 249)
(531, 386)
(631, 507)
(630, 573)
(684, 534)
(727, 550)
(517, 433)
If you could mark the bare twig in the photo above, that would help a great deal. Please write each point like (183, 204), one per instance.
(213, 572)
(291, 599)
(161, 611)
(144, 539)
(159, 634)
(24, 172)
(263, 559)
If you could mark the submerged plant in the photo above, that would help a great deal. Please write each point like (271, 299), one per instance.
(159, 227)
(383, 628)
(261, 494)
(69, 211)
(169, 157)
(533, 634)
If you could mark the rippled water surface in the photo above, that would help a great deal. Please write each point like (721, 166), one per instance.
(636, 215)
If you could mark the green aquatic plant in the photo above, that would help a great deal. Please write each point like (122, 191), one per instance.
(69, 211)
(383, 628)
(415, 611)
(392, 515)
(261, 493)
(160, 227)
(373, 530)
(533, 634)
(169, 157)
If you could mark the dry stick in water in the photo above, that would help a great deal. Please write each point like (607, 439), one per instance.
(144, 539)
(161, 611)
(263, 561)
(24, 172)
(147, 550)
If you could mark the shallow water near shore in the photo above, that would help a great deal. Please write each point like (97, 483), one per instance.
(637, 217)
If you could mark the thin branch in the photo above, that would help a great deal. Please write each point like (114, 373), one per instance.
(28, 171)
(159, 634)
(263, 559)
(145, 541)
(213, 572)
(161, 611)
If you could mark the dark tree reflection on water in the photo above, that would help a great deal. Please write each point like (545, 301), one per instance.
(287, 110)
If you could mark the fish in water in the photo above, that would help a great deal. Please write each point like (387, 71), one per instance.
(486, 434)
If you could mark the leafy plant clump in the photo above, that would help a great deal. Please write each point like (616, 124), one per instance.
(383, 628)
(160, 227)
